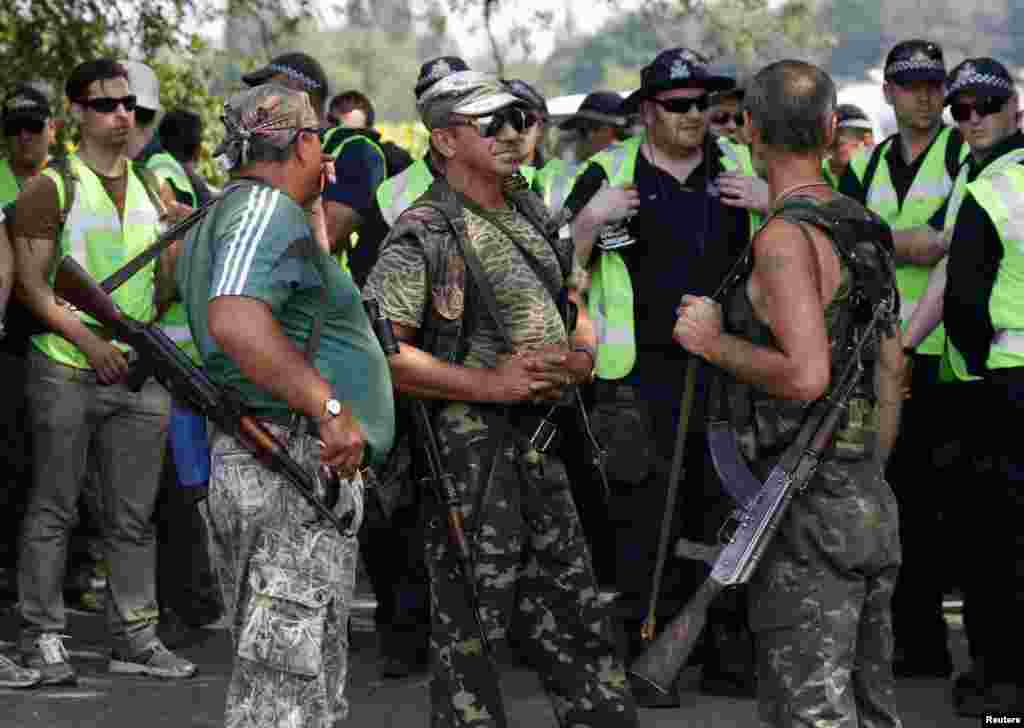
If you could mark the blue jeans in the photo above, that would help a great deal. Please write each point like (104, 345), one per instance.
(71, 415)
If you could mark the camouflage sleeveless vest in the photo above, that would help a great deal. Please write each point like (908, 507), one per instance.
(766, 426)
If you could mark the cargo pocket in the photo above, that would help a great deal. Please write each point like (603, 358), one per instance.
(284, 623)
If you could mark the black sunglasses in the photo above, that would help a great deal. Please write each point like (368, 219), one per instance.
(109, 104)
(489, 126)
(962, 111)
(16, 126)
(682, 106)
(723, 117)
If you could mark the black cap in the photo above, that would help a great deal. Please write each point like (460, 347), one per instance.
(602, 107)
(676, 68)
(983, 76)
(299, 67)
(851, 116)
(26, 102)
(915, 60)
(435, 69)
(528, 94)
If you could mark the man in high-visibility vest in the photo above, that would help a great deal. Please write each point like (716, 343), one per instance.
(978, 291)
(78, 399)
(29, 130)
(906, 180)
(854, 131)
(186, 587)
(651, 223)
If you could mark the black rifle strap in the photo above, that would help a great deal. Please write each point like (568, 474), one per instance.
(554, 288)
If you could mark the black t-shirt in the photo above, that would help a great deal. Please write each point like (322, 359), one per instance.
(671, 256)
(975, 254)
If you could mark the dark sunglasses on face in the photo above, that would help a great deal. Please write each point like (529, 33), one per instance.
(489, 126)
(723, 117)
(962, 111)
(109, 104)
(683, 106)
(32, 126)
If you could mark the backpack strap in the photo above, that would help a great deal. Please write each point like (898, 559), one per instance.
(151, 184)
(873, 162)
(954, 146)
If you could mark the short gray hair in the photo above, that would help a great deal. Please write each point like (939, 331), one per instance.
(791, 103)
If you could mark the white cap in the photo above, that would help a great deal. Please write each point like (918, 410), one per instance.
(145, 85)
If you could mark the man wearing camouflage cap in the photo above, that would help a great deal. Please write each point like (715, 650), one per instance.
(502, 362)
(275, 319)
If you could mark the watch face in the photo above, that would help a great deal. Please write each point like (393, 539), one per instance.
(333, 407)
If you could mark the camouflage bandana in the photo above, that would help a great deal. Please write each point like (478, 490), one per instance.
(272, 112)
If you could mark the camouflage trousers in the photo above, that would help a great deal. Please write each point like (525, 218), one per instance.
(287, 579)
(534, 575)
(820, 605)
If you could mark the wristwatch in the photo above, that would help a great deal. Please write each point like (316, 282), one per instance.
(332, 408)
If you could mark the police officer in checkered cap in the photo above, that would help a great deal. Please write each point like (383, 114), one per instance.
(976, 291)
(907, 180)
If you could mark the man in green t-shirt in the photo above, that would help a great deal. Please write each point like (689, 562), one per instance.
(257, 288)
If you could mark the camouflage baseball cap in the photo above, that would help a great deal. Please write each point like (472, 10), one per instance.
(272, 112)
(471, 93)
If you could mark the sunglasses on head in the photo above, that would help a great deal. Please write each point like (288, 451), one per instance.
(961, 111)
(489, 126)
(683, 106)
(109, 104)
(32, 126)
(723, 117)
(319, 131)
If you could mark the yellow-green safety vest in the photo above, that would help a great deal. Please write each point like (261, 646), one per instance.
(554, 181)
(830, 176)
(610, 298)
(9, 187)
(931, 187)
(174, 322)
(101, 241)
(999, 190)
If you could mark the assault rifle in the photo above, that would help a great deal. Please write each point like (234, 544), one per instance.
(757, 519)
(443, 483)
(161, 358)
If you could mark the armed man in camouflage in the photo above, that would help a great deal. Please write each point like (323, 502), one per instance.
(476, 282)
(259, 293)
(820, 598)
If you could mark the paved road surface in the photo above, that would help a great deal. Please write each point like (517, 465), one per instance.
(102, 701)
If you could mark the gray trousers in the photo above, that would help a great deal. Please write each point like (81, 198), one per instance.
(287, 577)
(71, 415)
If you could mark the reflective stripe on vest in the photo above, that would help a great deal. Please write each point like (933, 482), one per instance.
(9, 187)
(396, 194)
(174, 323)
(166, 168)
(95, 237)
(931, 187)
(610, 298)
(1001, 195)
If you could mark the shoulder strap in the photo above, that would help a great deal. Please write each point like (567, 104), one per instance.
(873, 162)
(954, 145)
(476, 269)
(151, 185)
